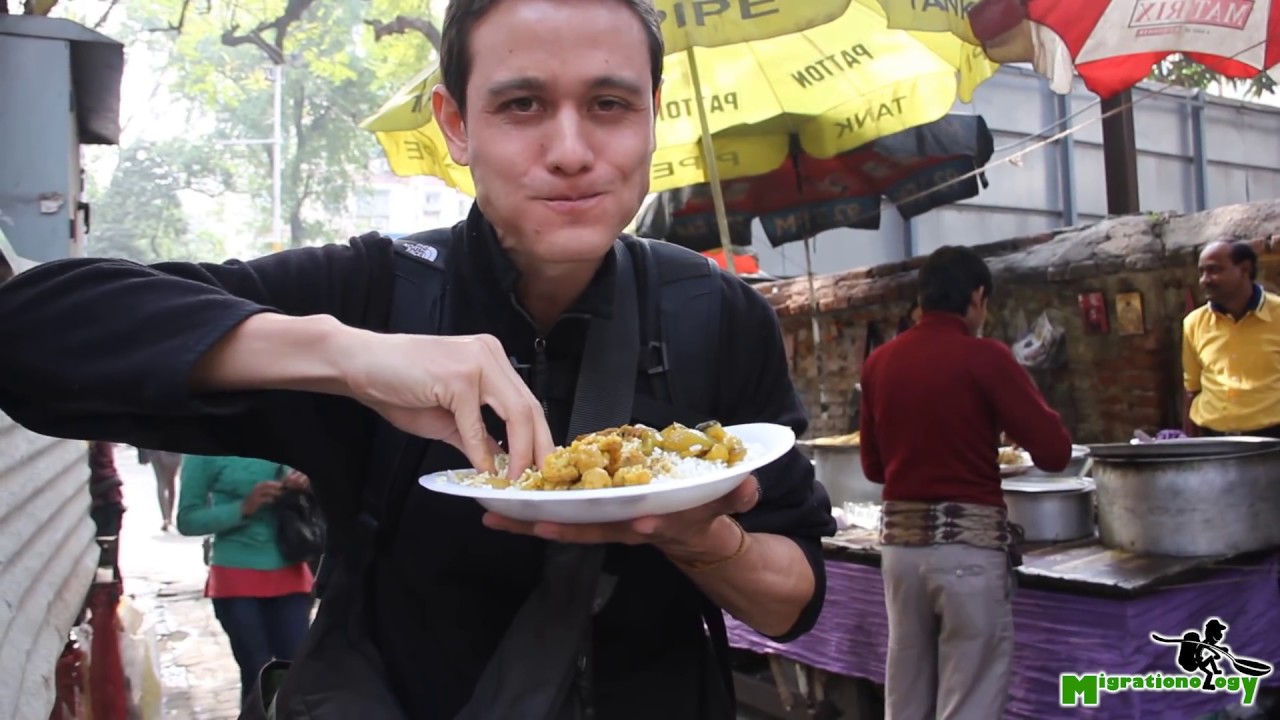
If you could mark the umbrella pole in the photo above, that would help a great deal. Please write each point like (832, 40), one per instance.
(713, 169)
(823, 405)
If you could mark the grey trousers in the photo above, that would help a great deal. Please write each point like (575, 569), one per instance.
(950, 632)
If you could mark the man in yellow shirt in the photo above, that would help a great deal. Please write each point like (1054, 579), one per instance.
(1231, 348)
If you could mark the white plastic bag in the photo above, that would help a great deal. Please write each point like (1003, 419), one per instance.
(141, 659)
(1036, 348)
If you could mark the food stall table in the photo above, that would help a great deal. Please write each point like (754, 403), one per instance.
(1080, 608)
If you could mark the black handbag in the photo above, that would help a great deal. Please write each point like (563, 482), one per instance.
(300, 526)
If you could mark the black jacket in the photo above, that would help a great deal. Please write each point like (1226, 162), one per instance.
(103, 349)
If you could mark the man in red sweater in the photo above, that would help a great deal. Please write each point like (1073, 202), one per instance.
(934, 402)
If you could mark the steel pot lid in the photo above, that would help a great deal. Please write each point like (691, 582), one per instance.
(1048, 485)
(1183, 448)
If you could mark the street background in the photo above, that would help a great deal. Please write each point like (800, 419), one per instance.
(165, 573)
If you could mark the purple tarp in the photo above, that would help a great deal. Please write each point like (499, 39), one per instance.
(1061, 633)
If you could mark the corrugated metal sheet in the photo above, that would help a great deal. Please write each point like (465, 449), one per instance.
(47, 560)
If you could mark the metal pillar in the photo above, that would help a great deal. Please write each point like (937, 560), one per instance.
(277, 152)
(1066, 162)
(1120, 155)
(1199, 151)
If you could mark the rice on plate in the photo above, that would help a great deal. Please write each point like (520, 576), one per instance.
(625, 456)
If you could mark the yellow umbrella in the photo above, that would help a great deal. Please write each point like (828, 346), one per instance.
(697, 23)
(948, 16)
(414, 146)
(952, 17)
(836, 86)
(407, 131)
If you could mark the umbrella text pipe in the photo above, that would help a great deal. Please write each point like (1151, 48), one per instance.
(709, 157)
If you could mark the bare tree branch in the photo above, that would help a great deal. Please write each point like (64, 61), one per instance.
(274, 49)
(105, 14)
(231, 39)
(402, 24)
(182, 20)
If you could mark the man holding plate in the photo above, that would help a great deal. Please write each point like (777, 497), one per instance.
(288, 358)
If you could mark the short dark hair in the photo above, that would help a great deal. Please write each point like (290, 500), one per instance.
(462, 15)
(1241, 252)
(949, 277)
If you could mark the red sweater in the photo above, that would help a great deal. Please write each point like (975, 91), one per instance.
(934, 401)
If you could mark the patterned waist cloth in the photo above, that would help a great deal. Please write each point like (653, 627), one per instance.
(921, 523)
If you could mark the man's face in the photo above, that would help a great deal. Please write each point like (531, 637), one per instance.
(1221, 279)
(559, 125)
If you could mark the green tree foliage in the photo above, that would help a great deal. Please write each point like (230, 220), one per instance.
(140, 216)
(341, 59)
(1183, 72)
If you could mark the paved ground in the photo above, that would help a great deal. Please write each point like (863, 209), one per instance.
(165, 575)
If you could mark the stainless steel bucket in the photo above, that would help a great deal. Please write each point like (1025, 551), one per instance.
(1051, 509)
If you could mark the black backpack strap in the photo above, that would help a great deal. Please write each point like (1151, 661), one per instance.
(681, 359)
(542, 667)
(681, 333)
(417, 307)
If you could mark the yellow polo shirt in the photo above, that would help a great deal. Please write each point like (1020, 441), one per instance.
(1234, 365)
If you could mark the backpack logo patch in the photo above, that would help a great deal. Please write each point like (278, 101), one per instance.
(425, 252)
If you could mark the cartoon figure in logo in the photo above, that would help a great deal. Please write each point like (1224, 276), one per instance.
(1196, 655)
(1214, 631)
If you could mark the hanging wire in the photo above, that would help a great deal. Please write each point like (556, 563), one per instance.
(1049, 128)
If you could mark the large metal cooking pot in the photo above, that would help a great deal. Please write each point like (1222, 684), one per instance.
(839, 469)
(1051, 509)
(1222, 501)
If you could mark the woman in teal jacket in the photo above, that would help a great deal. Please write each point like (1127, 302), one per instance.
(262, 601)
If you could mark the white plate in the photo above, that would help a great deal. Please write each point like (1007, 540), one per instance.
(766, 443)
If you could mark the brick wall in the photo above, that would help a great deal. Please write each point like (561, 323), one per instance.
(1105, 386)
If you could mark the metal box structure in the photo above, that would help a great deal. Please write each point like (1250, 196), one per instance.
(60, 88)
